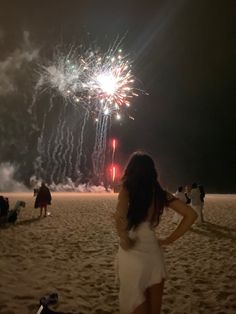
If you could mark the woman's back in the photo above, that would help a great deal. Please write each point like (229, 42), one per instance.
(140, 259)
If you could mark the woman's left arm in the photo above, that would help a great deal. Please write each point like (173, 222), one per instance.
(189, 216)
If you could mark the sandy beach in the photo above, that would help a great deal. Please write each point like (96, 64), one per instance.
(72, 253)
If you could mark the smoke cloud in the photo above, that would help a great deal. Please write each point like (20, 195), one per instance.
(12, 65)
(7, 181)
(17, 126)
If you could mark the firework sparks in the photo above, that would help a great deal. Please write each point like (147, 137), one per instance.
(101, 86)
(98, 82)
(112, 84)
(63, 75)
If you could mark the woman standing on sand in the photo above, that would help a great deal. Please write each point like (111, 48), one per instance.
(140, 260)
(179, 194)
(196, 201)
(43, 199)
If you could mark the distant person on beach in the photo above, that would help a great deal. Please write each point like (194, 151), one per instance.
(180, 194)
(141, 266)
(196, 201)
(202, 197)
(43, 199)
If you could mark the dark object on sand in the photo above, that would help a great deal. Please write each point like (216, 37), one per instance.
(50, 299)
(47, 300)
(14, 213)
(10, 216)
(4, 206)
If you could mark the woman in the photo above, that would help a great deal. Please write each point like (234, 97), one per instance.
(196, 202)
(43, 199)
(179, 194)
(141, 265)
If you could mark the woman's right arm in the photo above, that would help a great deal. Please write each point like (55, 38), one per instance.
(189, 216)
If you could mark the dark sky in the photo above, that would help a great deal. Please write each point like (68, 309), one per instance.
(183, 56)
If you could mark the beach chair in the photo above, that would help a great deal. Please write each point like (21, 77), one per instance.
(13, 214)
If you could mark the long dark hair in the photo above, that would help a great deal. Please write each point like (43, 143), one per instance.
(141, 181)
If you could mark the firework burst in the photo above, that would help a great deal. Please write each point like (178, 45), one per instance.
(101, 86)
(100, 83)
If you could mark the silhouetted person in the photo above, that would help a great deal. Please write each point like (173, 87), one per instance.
(202, 196)
(187, 192)
(43, 199)
(202, 192)
(4, 206)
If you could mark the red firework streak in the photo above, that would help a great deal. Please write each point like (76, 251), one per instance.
(114, 145)
(113, 151)
(113, 167)
(113, 173)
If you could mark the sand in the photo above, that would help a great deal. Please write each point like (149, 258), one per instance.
(72, 253)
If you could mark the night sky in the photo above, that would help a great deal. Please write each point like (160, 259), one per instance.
(183, 56)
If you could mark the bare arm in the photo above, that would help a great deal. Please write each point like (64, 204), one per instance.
(189, 216)
(120, 217)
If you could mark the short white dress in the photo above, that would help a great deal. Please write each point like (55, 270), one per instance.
(142, 265)
(139, 267)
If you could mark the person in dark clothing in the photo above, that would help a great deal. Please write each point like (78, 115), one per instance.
(187, 191)
(43, 199)
(202, 196)
(202, 192)
(36, 192)
(4, 206)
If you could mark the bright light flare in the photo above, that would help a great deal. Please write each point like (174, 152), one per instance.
(107, 82)
(106, 111)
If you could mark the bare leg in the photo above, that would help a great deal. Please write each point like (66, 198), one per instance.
(202, 219)
(154, 298)
(45, 211)
(141, 309)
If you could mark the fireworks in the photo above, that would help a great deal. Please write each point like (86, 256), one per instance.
(101, 86)
(100, 83)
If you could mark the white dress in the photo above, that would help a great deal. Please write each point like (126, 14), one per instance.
(196, 203)
(139, 267)
(181, 196)
(142, 265)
